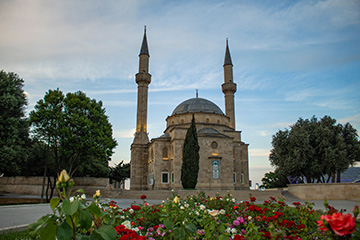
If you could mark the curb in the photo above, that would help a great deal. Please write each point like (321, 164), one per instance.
(14, 229)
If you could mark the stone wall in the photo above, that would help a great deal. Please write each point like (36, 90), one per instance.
(33, 185)
(330, 191)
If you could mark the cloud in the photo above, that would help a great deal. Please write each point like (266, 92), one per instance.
(259, 152)
(124, 133)
(265, 133)
(301, 95)
(353, 120)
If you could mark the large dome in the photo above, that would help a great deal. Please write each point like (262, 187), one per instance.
(197, 105)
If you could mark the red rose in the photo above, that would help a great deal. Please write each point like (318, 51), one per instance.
(341, 224)
(320, 224)
(238, 237)
(134, 207)
(143, 196)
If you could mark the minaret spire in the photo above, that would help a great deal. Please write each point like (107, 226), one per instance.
(229, 87)
(227, 60)
(144, 46)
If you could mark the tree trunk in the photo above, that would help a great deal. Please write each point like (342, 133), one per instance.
(338, 176)
(333, 177)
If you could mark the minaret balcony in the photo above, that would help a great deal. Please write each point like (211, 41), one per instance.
(143, 78)
(229, 87)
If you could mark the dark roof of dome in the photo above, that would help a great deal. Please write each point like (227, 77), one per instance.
(208, 131)
(197, 105)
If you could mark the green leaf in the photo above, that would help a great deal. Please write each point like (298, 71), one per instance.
(54, 202)
(94, 209)
(74, 207)
(80, 191)
(49, 232)
(64, 231)
(190, 227)
(105, 232)
(34, 228)
(66, 207)
(85, 219)
(83, 237)
(168, 223)
(179, 234)
(222, 228)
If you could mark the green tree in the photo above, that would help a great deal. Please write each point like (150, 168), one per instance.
(120, 172)
(315, 149)
(190, 165)
(75, 132)
(273, 180)
(13, 124)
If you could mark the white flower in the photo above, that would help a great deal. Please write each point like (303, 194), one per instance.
(197, 213)
(122, 217)
(233, 231)
(127, 224)
(186, 205)
(222, 211)
(228, 230)
(71, 199)
(131, 210)
(249, 217)
(213, 213)
(202, 207)
(83, 196)
(233, 200)
(182, 208)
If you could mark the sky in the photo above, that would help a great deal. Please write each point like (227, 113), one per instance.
(291, 59)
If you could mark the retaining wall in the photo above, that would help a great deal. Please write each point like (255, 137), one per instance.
(330, 191)
(33, 185)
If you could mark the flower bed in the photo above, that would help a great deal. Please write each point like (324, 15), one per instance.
(196, 217)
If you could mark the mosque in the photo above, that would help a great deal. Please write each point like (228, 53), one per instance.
(156, 164)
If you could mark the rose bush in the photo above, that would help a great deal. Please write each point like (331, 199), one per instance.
(196, 217)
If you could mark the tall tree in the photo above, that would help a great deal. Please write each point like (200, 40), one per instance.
(190, 165)
(75, 132)
(315, 149)
(13, 124)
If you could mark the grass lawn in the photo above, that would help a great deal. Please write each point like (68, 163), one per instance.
(22, 235)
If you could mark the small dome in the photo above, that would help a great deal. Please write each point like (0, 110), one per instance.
(197, 105)
(208, 131)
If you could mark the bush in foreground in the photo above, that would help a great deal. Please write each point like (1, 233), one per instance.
(196, 217)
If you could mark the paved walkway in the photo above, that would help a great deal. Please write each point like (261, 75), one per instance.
(18, 217)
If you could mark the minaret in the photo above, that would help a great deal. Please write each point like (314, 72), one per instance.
(143, 79)
(229, 87)
(139, 153)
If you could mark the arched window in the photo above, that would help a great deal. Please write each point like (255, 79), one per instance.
(165, 153)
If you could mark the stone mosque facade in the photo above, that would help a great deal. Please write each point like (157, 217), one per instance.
(156, 164)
